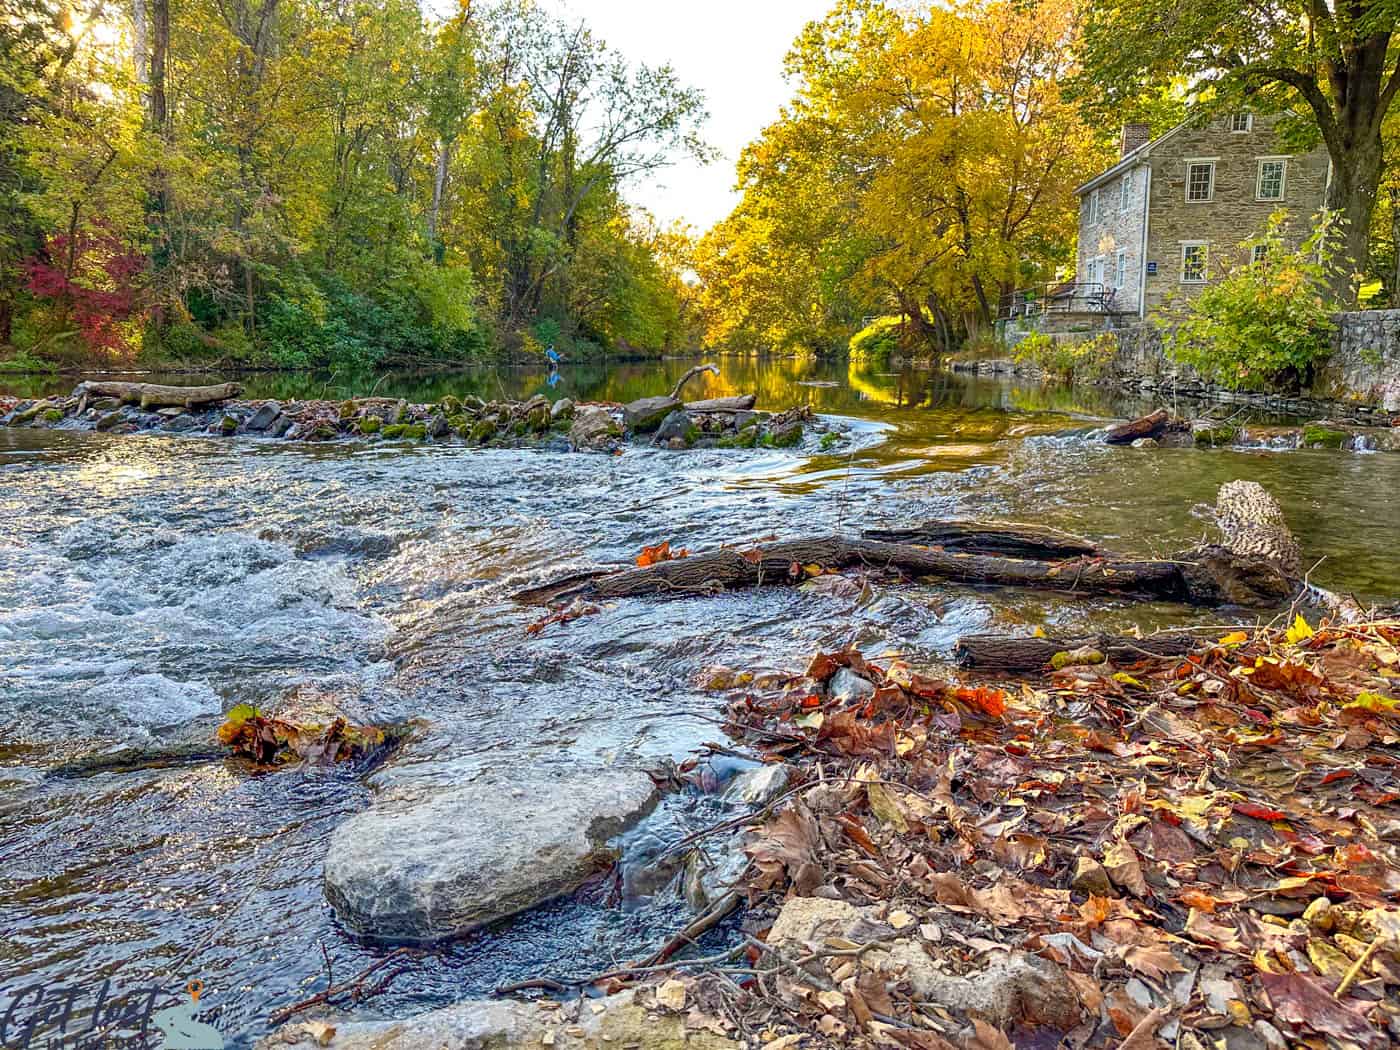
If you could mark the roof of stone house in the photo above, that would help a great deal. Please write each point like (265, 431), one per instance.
(1130, 159)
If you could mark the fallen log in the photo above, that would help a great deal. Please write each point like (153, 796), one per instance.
(1000, 652)
(713, 369)
(738, 403)
(153, 395)
(990, 537)
(1253, 523)
(1146, 426)
(1214, 581)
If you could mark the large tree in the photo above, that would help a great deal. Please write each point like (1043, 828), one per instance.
(1330, 59)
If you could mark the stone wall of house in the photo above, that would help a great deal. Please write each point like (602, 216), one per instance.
(1119, 227)
(1365, 362)
(1361, 376)
(1234, 213)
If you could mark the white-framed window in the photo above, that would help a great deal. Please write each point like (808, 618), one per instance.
(1125, 189)
(1194, 257)
(1259, 253)
(1200, 180)
(1272, 179)
(1095, 207)
(1120, 269)
(1241, 122)
(1094, 273)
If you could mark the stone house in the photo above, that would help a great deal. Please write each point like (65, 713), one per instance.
(1174, 209)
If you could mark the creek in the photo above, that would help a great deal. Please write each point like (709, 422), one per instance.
(149, 583)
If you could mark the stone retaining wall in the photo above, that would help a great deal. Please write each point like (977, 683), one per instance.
(1360, 380)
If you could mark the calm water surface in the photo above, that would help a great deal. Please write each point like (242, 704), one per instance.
(147, 584)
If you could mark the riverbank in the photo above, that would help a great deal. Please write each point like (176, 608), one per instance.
(941, 858)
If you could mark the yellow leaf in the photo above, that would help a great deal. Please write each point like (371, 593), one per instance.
(885, 808)
(1235, 638)
(1376, 702)
(1039, 632)
(1298, 631)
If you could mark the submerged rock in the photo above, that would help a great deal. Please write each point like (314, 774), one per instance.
(419, 868)
(622, 1020)
(646, 413)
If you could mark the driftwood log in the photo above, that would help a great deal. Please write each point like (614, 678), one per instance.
(1215, 577)
(153, 395)
(1256, 539)
(1000, 652)
(738, 403)
(1147, 426)
(713, 369)
(990, 537)
(1256, 565)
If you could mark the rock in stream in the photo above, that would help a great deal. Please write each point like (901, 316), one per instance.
(425, 865)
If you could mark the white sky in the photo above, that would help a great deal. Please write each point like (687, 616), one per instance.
(733, 51)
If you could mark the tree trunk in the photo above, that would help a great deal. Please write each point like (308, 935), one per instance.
(439, 186)
(140, 34)
(1395, 242)
(1351, 193)
(160, 49)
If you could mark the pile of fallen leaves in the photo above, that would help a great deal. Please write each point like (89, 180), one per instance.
(1207, 846)
(269, 741)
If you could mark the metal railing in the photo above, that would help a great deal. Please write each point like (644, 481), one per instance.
(1066, 297)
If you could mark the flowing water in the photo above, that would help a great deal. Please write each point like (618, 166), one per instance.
(149, 583)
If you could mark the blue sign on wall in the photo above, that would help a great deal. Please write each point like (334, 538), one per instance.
(1152, 269)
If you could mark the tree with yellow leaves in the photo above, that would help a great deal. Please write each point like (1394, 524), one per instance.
(926, 166)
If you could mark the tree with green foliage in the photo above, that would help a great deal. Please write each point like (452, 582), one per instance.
(1268, 321)
(302, 183)
(1334, 63)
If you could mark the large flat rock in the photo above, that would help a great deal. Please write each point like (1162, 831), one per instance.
(620, 1022)
(432, 862)
(646, 413)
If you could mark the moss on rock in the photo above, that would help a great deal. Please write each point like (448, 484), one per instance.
(1214, 434)
(393, 431)
(1320, 435)
(53, 415)
(368, 425)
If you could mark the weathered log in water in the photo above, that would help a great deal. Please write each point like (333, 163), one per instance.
(1000, 652)
(990, 537)
(713, 369)
(739, 403)
(153, 395)
(1218, 578)
(1147, 426)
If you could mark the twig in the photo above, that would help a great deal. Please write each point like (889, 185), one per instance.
(353, 986)
(705, 922)
(1360, 963)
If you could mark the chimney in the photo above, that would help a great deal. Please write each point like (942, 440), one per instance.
(1135, 135)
